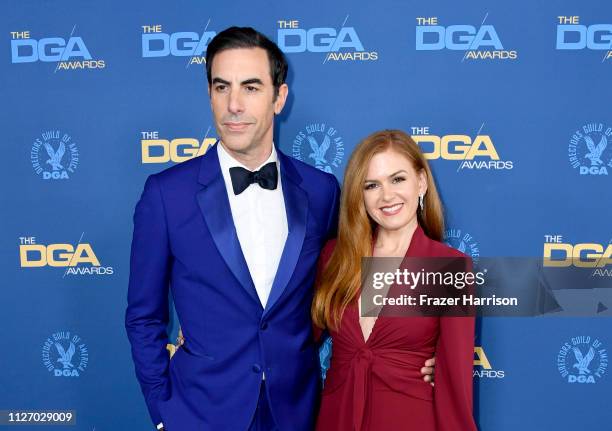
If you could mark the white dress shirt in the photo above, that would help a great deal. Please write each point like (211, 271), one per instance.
(260, 220)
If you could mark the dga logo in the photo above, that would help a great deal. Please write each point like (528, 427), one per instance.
(588, 149)
(464, 242)
(585, 255)
(479, 43)
(60, 157)
(69, 54)
(482, 366)
(320, 145)
(78, 260)
(157, 43)
(582, 360)
(65, 355)
(571, 35)
(472, 153)
(343, 44)
(157, 150)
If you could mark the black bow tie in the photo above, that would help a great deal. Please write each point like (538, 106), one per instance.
(266, 177)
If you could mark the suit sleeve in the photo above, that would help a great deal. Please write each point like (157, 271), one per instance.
(322, 338)
(332, 221)
(324, 257)
(453, 390)
(147, 312)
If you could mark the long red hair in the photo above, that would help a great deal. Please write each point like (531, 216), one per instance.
(339, 282)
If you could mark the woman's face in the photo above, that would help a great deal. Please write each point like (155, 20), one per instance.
(391, 190)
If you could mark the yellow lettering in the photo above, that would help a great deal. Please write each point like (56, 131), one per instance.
(84, 254)
(488, 150)
(586, 247)
(63, 258)
(435, 140)
(606, 258)
(548, 250)
(481, 359)
(178, 150)
(586, 255)
(147, 144)
(190, 150)
(29, 262)
(56, 255)
(461, 150)
(206, 143)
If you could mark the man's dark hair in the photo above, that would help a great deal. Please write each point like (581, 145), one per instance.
(247, 37)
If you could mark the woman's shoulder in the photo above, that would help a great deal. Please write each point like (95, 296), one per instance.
(440, 249)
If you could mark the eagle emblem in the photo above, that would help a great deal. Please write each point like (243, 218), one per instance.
(582, 362)
(55, 157)
(319, 151)
(65, 355)
(595, 151)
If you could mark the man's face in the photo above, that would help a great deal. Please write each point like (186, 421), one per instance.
(242, 99)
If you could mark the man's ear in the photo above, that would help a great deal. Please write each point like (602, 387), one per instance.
(281, 98)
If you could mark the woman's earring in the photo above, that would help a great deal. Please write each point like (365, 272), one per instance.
(421, 201)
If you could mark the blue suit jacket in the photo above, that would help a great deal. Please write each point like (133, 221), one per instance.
(185, 240)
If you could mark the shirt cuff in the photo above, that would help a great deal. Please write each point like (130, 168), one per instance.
(160, 425)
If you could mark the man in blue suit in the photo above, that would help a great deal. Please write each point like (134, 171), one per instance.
(235, 235)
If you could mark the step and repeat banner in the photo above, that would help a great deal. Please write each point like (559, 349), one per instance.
(510, 101)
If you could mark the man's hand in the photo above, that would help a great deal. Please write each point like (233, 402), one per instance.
(428, 370)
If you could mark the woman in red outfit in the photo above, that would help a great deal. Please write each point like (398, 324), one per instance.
(389, 207)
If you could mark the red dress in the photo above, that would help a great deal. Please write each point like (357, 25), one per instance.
(377, 385)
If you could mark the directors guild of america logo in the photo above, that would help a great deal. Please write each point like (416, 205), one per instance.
(320, 145)
(582, 360)
(54, 155)
(65, 355)
(589, 151)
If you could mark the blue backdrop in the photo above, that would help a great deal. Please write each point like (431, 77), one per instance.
(509, 99)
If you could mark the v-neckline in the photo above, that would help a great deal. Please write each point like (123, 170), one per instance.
(410, 251)
(363, 337)
(416, 236)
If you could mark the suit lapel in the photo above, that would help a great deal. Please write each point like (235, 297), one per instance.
(215, 207)
(296, 207)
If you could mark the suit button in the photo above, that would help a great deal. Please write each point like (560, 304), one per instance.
(264, 326)
(256, 368)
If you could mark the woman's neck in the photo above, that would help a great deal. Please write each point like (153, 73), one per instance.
(394, 242)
